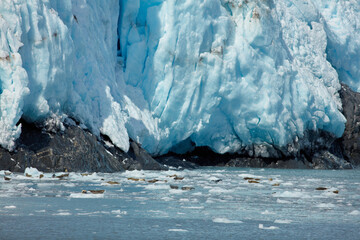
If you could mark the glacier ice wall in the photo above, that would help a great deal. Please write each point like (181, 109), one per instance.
(228, 74)
(342, 25)
(64, 52)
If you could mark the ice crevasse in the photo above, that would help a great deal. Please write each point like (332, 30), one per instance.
(227, 74)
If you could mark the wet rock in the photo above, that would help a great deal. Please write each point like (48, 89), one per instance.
(187, 188)
(268, 163)
(7, 178)
(350, 141)
(174, 187)
(327, 160)
(247, 162)
(6, 161)
(253, 181)
(143, 159)
(336, 191)
(321, 188)
(291, 164)
(73, 149)
(176, 161)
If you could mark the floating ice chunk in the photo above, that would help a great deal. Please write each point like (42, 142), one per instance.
(193, 207)
(119, 212)
(62, 214)
(261, 226)
(283, 221)
(355, 212)
(282, 201)
(218, 190)
(89, 195)
(325, 205)
(267, 212)
(157, 187)
(32, 172)
(288, 194)
(177, 230)
(313, 180)
(176, 191)
(10, 207)
(225, 220)
(167, 199)
(288, 184)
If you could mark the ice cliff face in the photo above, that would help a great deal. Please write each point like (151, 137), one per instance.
(234, 75)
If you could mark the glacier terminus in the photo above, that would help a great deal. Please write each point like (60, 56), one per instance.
(238, 76)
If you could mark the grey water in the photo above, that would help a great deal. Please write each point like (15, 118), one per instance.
(216, 203)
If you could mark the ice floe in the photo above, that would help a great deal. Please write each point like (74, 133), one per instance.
(225, 220)
(261, 226)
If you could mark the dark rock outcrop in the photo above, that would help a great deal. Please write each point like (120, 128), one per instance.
(137, 158)
(350, 141)
(73, 150)
(260, 163)
(322, 158)
(176, 162)
(327, 160)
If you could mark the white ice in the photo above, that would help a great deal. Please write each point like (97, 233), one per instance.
(225, 220)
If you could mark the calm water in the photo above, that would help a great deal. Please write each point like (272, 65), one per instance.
(225, 203)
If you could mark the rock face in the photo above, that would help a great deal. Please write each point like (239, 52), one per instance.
(350, 140)
(73, 150)
(319, 160)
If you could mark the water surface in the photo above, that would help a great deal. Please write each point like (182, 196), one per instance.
(216, 203)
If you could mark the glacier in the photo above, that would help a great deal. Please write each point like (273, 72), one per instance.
(232, 75)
